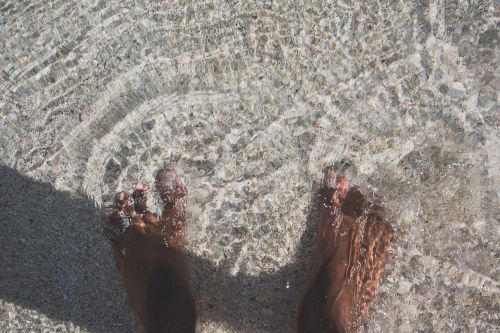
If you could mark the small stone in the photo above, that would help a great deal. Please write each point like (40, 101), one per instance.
(457, 91)
(443, 89)
(175, 156)
(483, 100)
(148, 125)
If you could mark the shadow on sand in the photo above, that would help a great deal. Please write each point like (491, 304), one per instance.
(55, 259)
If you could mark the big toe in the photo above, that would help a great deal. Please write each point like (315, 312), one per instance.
(169, 185)
(334, 187)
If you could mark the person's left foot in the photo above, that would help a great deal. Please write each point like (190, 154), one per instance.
(148, 253)
(354, 241)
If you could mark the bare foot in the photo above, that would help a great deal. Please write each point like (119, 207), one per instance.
(148, 254)
(354, 245)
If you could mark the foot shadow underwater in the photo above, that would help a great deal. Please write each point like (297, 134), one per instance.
(56, 260)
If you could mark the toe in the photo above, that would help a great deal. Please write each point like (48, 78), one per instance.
(140, 198)
(122, 202)
(334, 187)
(138, 223)
(151, 219)
(329, 176)
(114, 225)
(118, 218)
(169, 186)
(172, 191)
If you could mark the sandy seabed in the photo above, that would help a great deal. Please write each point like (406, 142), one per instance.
(249, 100)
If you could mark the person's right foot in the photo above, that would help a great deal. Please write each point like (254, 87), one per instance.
(148, 253)
(354, 245)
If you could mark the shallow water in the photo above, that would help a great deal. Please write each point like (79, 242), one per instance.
(249, 102)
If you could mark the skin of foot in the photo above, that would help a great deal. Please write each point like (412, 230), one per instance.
(353, 241)
(148, 251)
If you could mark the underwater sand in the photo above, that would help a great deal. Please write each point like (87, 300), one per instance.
(249, 100)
